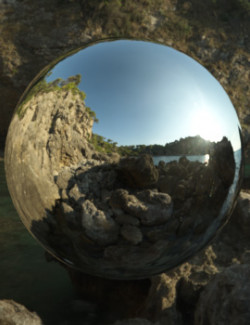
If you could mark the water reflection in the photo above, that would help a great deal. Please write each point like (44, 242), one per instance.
(124, 159)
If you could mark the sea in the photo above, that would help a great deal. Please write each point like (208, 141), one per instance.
(167, 159)
(25, 275)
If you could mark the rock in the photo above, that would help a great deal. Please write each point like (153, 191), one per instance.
(222, 161)
(138, 172)
(167, 184)
(98, 225)
(125, 219)
(12, 313)
(184, 161)
(64, 179)
(159, 207)
(121, 199)
(226, 299)
(242, 211)
(161, 301)
(152, 208)
(75, 195)
(70, 215)
(132, 234)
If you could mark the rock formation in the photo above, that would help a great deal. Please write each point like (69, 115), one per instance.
(226, 298)
(12, 313)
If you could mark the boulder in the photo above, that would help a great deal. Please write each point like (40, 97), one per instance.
(97, 225)
(243, 212)
(138, 172)
(151, 207)
(13, 313)
(226, 299)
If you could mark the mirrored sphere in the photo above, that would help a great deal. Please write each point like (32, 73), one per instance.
(124, 158)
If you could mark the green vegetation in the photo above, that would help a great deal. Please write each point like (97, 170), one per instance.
(42, 87)
(187, 146)
(92, 114)
(102, 145)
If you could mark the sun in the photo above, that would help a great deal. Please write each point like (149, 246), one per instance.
(206, 125)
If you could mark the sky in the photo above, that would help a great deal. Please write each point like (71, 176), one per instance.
(147, 93)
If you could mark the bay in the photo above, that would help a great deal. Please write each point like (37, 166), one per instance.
(167, 159)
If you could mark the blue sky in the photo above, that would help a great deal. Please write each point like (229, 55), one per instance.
(147, 93)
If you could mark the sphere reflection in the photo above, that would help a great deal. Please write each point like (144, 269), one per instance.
(124, 159)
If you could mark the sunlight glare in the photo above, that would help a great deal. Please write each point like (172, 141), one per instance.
(206, 126)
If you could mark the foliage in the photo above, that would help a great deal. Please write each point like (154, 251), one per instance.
(42, 87)
(92, 114)
(101, 145)
(184, 146)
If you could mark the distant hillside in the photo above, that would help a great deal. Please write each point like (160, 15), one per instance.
(184, 146)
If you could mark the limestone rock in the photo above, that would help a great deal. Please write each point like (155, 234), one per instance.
(98, 225)
(64, 179)
(243, 212)
(13, 313)
(161, 301)
(226, 299)
(152, 208)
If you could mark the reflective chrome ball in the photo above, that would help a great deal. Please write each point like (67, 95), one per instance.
(124, 158)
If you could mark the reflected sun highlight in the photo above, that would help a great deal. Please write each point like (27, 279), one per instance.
(206, 125)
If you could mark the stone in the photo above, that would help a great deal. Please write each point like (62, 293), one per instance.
(226, 299)
(121, 199)
(150, 207)
(64, 179)
(160, 304)
(138, 172)
(243, 212)
(75, 195)
(125, 219)
(98, 225)
(166, 184)
(159, 208)
(13, 313)
(222, 160)
(132, 234)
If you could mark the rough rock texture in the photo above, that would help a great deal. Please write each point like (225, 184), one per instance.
(60, 144)
(12, 313)
(226, 299)
(210, 288)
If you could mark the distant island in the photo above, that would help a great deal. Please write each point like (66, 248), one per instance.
(192, 145)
